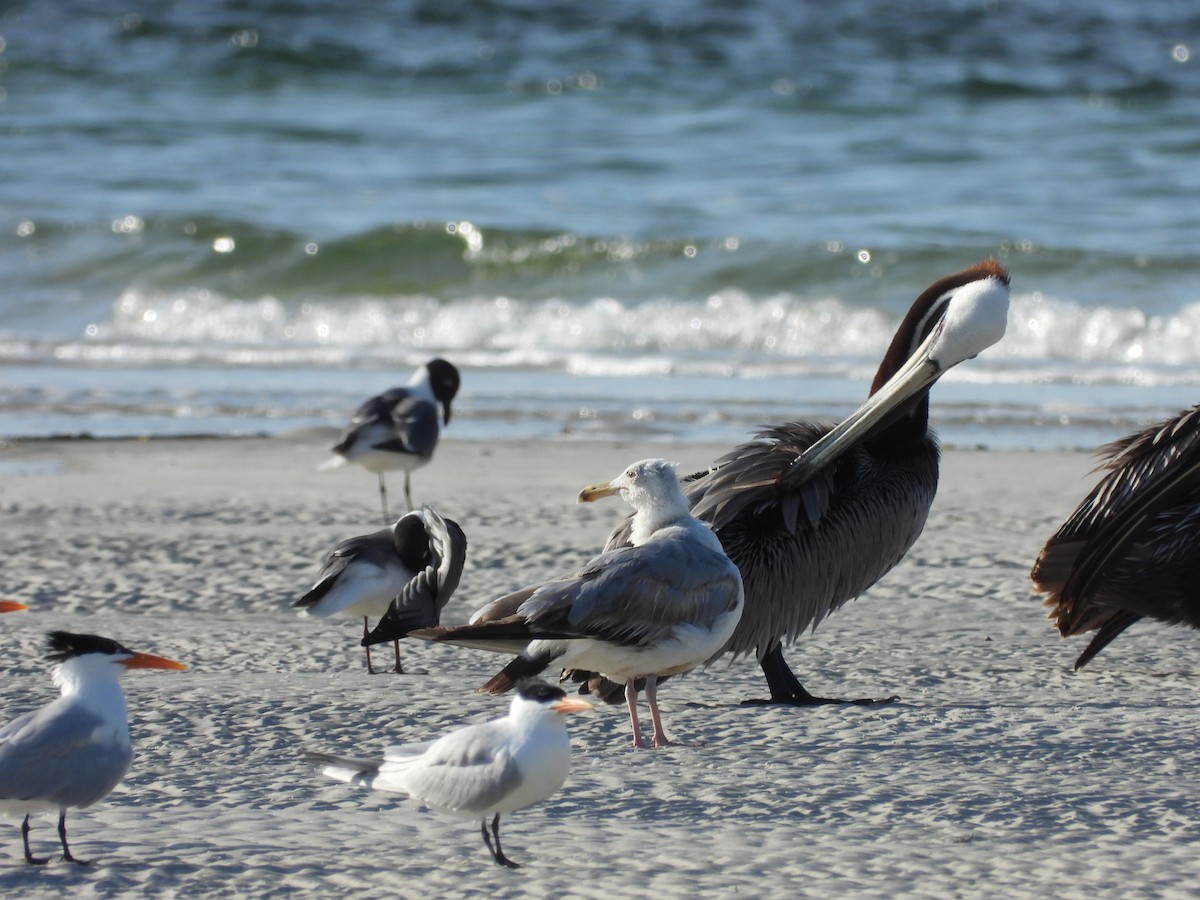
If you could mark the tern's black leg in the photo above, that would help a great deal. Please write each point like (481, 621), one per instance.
(407, 491)
(497, 852)
(62, 836)
(29, 857)
(367, 631)
(399, 670)
(383, 500)
(786, 688)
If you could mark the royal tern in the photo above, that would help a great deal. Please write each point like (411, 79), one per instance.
(482, 770)
(407, 572)
(1132, 548)
(399, 429)
(661, 606)
(72, 752)
(814, 515)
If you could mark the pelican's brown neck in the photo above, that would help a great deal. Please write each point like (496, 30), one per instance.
(909, 422)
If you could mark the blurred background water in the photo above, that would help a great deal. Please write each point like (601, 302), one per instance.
(668, 219)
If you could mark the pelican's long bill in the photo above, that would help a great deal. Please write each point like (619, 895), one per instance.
(972, 317)
(150, 661)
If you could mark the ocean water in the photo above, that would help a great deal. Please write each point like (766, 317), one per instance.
(672, 220)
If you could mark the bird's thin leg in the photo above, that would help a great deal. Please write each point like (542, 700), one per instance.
(407, 491)
(660, 736)
(29, 857)
(62, 836)
(367, 647)
(631, 702)
(786, 688)
(399, 670)
(383, 500)
(497, 851)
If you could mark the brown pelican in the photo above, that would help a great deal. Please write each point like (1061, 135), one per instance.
(1132, 548)
(406, 573)
(813, 515)
(661, 605)
(399, 429)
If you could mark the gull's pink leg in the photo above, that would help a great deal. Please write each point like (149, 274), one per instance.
(631, 702)
(660, 736)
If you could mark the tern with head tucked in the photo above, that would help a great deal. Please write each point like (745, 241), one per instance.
(405, 573)
(814, 515)
(74, 751)
(482, 770)
(661, 606)
(399, 429)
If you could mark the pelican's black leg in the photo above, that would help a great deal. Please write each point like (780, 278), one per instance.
(786, 688)
(383, 500)
(62, 836)
(29, 857)
(399, 670)
(497, 852)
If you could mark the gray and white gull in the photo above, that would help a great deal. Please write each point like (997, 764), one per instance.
(660, 606)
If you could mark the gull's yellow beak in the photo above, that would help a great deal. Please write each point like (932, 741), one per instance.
(597, 492)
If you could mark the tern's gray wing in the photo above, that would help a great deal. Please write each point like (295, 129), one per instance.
(62, 755)
(637, 595)
(469, 771)
(374, 549)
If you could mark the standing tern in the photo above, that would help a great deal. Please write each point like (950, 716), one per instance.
(399, 429)
(661, 606)
(482, 770)
(814, 515)
(74, 751)
(1132, 548)
(405, 573)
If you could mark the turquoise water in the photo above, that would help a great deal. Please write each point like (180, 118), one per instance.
(671, 220)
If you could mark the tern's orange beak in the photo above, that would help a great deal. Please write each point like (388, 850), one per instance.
(150, 661)
(11, 606)
(571, 705)
(597, 492)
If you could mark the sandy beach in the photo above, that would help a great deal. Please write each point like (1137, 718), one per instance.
(998, 773)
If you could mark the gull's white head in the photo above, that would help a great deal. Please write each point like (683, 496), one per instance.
(647, 484)
(652, 488)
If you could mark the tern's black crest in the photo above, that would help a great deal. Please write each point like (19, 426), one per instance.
(64, 645)
(538, 691)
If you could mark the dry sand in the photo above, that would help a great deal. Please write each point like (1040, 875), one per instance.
(999, 773)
